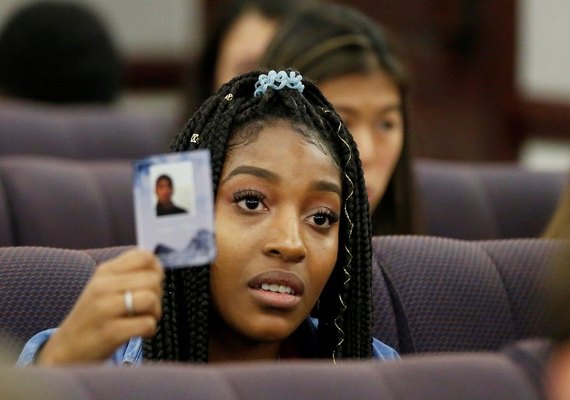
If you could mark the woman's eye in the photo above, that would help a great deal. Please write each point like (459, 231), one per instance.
(324, 219)
(386, 125)
(249, 200)
(321, 219)
(250, 204)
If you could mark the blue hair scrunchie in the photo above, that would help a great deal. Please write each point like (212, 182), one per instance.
(277, 81)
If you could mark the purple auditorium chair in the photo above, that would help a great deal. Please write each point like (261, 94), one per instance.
(66, 203)
(482, 201)
(6, 235)
(39, 285)
(466, 376)
(82, 132)
(436, 294)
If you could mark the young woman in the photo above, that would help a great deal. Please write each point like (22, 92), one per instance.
(240, 34)
(293, 241)
(559, 225)
(354, 64)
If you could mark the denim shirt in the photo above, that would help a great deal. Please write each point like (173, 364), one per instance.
(131, 352)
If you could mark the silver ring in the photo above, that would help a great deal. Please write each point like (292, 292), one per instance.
(128, 300)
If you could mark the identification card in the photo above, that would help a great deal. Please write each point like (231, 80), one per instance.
(174, 207)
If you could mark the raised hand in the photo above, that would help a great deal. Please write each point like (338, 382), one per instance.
(122, 300)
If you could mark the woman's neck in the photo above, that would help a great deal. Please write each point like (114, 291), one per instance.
(225, 347)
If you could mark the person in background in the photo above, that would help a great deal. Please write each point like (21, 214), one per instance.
(559, 225)
(241, 33)
(164, 188)
(354, 63)
(293, 268)
(546, 359)
(58, 52)
(557, 370)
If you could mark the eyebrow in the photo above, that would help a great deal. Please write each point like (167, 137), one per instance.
(321, 185)
(255, 171)
(392, 107)
(325, 186)
(384, 110)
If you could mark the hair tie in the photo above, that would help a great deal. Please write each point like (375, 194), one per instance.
(277, 81)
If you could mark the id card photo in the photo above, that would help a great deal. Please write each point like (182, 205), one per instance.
(174, 207)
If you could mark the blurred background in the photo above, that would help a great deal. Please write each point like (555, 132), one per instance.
(490, 79)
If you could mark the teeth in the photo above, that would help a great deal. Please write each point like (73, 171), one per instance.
(277, 288)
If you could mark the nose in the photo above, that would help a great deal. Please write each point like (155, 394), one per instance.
(284, 238)
(363, 136)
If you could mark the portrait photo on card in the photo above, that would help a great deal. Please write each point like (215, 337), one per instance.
(173, 188)
(174, 207)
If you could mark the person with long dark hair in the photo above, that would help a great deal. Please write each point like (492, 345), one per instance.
(293, 270)
(355, 64)
(235, 41)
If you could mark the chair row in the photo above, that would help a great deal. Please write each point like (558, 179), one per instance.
(465, 376)
(486, 200)
(430, 294)
(88, 203)
(82, 132)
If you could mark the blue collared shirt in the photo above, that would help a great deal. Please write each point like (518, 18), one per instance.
(131, 352)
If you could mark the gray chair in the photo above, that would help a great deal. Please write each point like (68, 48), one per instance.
(39, 285)
(65, 203)
(436, 294)
(465, 376)
(82, 132)
(480, 201)
(429, 294)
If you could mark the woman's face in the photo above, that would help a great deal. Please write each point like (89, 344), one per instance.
(242, 47)
(164, 191)
(371, 107)
(277, 211)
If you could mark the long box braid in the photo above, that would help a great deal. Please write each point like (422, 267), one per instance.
(345, 305)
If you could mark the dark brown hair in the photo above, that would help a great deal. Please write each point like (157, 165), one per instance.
(227, 15)
(328, 41)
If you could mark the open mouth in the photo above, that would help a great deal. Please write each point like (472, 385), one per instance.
(277, 289)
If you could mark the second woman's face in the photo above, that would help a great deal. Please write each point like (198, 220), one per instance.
(371, 107)
(277, 211)
(243, 46)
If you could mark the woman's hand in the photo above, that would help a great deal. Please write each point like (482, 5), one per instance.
(99, 321)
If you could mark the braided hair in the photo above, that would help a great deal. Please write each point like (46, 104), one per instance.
(345, 305)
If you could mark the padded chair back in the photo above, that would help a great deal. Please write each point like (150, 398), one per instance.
(466, 377)
(486, 201)
(66, 203)
(82, 132)
(39, 285)
(436, 294)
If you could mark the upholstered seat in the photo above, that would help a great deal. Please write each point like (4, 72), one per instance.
(451, 377)
(39, 285)
(49, 201)
(82, 132)
(430, 294)
(435, 294)
(66, 203)
(481, 201)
